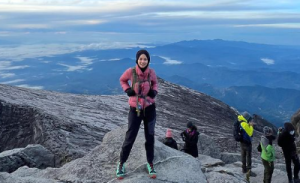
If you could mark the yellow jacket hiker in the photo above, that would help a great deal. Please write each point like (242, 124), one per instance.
(247, 128)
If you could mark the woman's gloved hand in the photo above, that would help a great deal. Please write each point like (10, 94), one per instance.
(130, 92)
(152, 93)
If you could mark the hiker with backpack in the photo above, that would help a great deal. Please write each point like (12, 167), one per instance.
(286, 140)
(169, 141)
(141, 94)
(267, 153)
(190, 137)
(243, 132)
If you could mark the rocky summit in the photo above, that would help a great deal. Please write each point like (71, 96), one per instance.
(174, 166)
(71, 125)
(85, 132)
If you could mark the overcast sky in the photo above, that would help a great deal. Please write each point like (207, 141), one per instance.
(148, 21)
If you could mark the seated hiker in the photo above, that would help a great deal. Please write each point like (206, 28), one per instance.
(169, 141)
(190, 137)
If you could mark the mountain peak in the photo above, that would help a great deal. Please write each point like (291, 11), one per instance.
(72, 127)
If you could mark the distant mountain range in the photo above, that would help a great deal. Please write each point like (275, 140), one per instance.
(219, 68)
(275, 104)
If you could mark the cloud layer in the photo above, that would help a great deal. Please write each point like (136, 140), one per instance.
(149, 21)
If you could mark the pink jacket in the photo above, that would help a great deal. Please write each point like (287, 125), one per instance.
(145, 86)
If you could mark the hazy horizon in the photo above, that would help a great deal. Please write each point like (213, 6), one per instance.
(36, 22)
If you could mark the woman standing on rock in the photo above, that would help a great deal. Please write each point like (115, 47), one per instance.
(141, 94)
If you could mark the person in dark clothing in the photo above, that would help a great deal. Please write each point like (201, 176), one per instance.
(142, 93)
(286, 140)
(169, 141)
(190, 137)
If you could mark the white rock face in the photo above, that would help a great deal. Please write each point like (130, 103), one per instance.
(71, 125)
(76, 126)
(100, 164)
(171, 165)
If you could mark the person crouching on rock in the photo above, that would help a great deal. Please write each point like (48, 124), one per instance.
(169, 141)
(190, 137)
(141, 94)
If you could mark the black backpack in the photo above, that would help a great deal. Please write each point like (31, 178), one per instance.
(237, 132)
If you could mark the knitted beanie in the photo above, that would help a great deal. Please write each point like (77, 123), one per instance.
(169, 133)
(189, 125)
(267, 131)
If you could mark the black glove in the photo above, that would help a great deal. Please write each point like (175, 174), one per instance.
(130, 92)
(152, 93)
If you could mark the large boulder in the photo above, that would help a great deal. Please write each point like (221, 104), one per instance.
(71, 125)
(100, 164)
(31, 156)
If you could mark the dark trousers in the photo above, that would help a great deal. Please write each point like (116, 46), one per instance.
(134, 122)
(289, 157)
(269, 168)
(246, 154)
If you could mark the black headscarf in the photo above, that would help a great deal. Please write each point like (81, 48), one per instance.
(138, 54)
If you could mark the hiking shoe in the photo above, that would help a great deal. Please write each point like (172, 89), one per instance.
(151, 171)
(248, 177)
(251, 174)
(120, 170)
(244, 170)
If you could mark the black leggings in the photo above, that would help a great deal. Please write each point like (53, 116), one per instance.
(134, 123)
(289, 157)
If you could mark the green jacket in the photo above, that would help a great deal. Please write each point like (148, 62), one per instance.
(267, 150)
